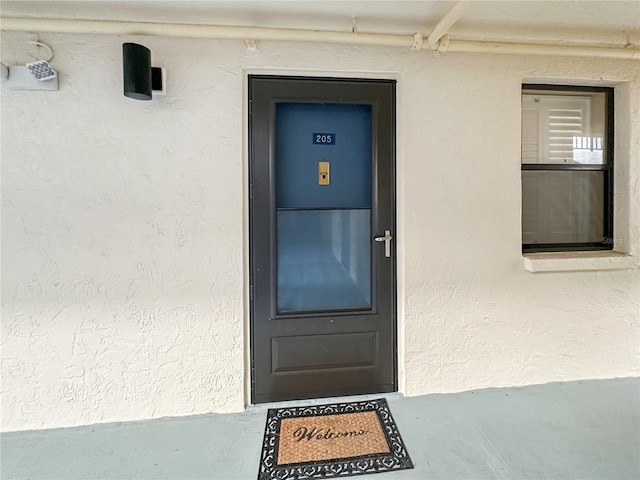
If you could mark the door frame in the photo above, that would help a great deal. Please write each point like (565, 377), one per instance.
(400, 266)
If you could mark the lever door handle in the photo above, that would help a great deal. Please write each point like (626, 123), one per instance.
(387, 242)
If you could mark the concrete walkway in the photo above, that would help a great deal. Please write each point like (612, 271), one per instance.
(575, 430)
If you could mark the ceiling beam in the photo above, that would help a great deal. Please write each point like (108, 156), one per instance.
(444, 25)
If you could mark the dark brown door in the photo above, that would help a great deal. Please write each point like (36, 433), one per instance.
(322, 220)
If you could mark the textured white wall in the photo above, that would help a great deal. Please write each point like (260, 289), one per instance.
(124, 236)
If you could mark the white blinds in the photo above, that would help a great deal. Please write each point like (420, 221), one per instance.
(550, 125)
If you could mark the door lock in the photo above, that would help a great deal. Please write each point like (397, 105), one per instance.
(387, 242)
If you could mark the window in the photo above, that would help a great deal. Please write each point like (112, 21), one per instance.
(567, 168)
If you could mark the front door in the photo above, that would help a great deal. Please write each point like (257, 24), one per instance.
(322, 221)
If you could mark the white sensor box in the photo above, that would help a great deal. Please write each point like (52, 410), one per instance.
(21, 78)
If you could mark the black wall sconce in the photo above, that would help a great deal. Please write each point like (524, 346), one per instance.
(140, 78)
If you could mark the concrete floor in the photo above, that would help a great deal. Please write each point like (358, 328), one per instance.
(575, 430)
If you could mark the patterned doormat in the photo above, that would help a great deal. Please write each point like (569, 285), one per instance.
(328, 441)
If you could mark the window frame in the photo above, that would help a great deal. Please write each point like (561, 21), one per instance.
(607, 167)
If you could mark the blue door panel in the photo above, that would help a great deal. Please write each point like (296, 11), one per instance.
(323, 231)
(298, 154)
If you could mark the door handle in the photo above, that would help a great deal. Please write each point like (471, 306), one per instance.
(387, 242)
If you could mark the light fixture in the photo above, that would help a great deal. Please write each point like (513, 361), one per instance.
(38, 75)
(140, 78)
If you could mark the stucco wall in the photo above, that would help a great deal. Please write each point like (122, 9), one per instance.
(124, 231)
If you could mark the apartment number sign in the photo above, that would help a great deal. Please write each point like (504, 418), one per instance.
(324, 138)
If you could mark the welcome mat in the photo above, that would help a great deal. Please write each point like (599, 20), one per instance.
(328, 441)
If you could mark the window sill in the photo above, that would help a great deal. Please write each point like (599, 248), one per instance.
(578, 261)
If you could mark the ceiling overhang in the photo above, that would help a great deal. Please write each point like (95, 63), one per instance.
(599, 29)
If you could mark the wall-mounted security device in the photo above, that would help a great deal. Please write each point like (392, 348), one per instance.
(140, 78)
